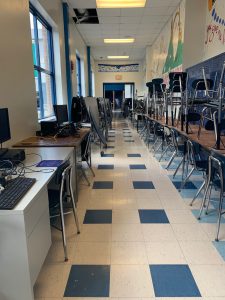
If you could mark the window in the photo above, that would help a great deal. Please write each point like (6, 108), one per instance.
(78, 71)
(42, 49)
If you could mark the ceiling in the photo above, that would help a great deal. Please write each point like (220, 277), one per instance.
(143, 24)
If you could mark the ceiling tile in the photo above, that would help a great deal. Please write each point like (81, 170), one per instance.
(83, 3)
(132, 12)
(131, 20)
(108, 12)
(109, 20)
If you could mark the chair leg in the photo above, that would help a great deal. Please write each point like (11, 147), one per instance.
(74, 210)
(199, 191)
(90, 167)
(63, 231)
(178, 167)
(164, 152)
(186, 179)
(204, 200)
(209, 196)
(171, 160)
(220, 215)
(156, 150)
(85, 177)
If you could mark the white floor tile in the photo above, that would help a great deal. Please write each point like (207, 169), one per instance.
(200, 253)
(158, 232)
(164, 253)
(210, 280)
(128, 253)
(130, 281)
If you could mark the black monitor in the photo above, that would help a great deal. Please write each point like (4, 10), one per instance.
(4, 125)
(61, 113)
(76, 110)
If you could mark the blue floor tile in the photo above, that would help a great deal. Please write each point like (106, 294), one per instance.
(105, 167)
(173, 281)
(111, 141)
(110, 147)
(129, 141)
(220, 247)
(107, 155)
(188, 186)
(211, 218)
(143, 185)
(153, 216)
(98, 217)
(134, 155)
(100, 185)
(138, 167)
(88, 281)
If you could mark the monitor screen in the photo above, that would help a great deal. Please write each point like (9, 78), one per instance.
(4, 125)
(61, 113)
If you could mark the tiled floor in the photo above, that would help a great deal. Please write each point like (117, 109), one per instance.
(139, 238)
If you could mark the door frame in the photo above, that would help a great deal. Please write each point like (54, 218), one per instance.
(124, 83)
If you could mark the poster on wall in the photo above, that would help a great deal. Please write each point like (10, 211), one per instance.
(215, 28)
(118, 68)
(167, 52)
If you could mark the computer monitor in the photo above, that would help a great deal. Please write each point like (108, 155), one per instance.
(4, 125)
(76, 110)
(61, 114)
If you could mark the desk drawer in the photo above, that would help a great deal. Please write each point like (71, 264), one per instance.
(38, 244)
(38, 207)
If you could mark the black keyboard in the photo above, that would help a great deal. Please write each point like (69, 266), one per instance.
(14, 191)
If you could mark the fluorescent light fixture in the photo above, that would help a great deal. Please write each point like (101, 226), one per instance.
(118, 41)
(118, 57)
(120, 3)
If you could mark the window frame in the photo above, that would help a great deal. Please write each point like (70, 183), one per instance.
(79, 82)
(51, 72)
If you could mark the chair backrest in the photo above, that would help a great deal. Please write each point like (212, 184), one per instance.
(199, 84)
(60, 170)
(177, 82)
(216, 167)
(157, 85)
(191, 155)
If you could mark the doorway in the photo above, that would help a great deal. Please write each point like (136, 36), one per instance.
(118, 92)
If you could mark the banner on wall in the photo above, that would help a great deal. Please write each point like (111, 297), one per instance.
(167, 51)
(215, 28)
(118, 68)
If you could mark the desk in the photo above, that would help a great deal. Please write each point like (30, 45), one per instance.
(206, 140)
(70, 141)
(38, 141)
(25, 235)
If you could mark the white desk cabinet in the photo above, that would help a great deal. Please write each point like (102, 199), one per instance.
(25, 235)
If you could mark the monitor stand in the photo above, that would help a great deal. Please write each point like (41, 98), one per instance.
(3, 151)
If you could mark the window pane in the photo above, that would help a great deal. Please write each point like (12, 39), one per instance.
(38, 96)
(34, 50)
(46, 84)
(43, 46)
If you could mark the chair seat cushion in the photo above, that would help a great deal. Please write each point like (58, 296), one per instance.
(202, 164)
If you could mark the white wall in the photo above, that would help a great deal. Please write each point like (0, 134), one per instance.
(103, 77)
(194, 34)
(214, 43)
(17, 86)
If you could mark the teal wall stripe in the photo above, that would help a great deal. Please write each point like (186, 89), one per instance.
(90, 92)
(67, 54)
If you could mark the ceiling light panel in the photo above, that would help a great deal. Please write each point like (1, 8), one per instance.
(120, 3)
(118, 41)
(118, 57)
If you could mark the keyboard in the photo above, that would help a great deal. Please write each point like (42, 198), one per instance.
(14, 191)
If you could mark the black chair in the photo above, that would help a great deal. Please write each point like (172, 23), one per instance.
(60, 194)
(196, 159)
(216, 165)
